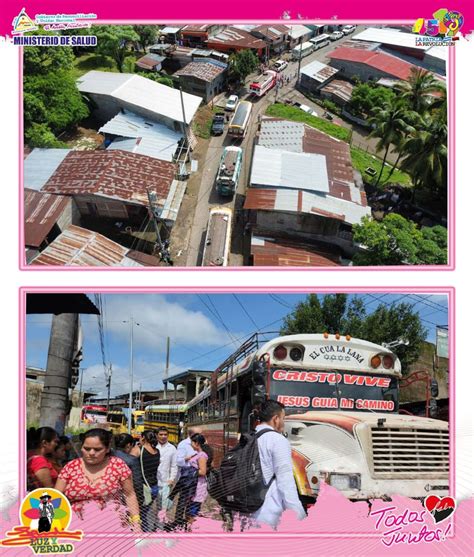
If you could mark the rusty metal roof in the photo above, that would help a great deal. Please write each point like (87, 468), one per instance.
(272, 32)
(116, 174)
(231, 36)
(79, 247)
(339, 88)
(42, 211)
(318, 71)
(276, 252)
(206, 70)
(374, 59)
(149, 61)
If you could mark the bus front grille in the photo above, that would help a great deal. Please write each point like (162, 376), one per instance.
(409, 453)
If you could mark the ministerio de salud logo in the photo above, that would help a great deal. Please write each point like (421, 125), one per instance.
(45, 516)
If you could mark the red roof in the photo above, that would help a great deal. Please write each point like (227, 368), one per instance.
(275, 252)
(233, 37)
(378, 60)
(42, 211)
(115, 173)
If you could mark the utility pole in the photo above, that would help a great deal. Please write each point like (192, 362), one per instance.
(109, 381)
(55, 396)
(131, 377)
(299, 62)
(165, 377)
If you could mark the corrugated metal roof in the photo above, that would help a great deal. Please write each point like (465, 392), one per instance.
(297, 31)
(170, 30)
(318, 71)
(305, 202)
(378, 60)
(388, 37)
(150, 61)
(232, 36)
(116, 174)
(201, 69)
(278, 168)
(276, 252)
(156, 140)
(439, 52)
(79, 247)
(42, 210)
(271, 32)
(141, 92)
(40, 165)
(340, 89)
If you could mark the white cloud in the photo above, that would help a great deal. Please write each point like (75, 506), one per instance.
(157, 318)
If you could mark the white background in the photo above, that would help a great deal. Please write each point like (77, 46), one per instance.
(462, 278)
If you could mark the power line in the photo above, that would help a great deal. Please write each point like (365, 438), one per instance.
(245, 311)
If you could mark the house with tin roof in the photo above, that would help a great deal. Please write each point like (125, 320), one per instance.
(118, 185)
(150, 62)
(78, 247)
(303, 188)
(275, 35)
(114, 92)
(369, 64)
(204, 77)
(315, 75)
(232, 39)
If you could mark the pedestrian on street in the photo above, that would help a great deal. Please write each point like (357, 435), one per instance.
(167, 470)
(275, 459)
(199, 462)
(184, 454)
(98, 479)
(41, 443)
(149, 462)
(124, 444)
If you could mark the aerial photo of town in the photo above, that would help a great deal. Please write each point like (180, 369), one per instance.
(278, 145)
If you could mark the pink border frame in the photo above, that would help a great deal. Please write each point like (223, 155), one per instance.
(448, 291)
(450, 77)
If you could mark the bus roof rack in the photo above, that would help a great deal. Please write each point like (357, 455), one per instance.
(249, 346)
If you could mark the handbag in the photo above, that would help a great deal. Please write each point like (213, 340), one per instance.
(147, 498)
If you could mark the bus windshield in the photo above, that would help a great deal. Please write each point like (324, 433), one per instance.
(303, 391)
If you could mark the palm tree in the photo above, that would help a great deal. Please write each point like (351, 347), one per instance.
(426, 153)
(417, 90)
(392, 123)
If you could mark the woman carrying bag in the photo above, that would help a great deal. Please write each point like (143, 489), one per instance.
(149, 462)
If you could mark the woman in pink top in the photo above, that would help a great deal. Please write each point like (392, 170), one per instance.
(41, 444)
(198, 461)
(96, 479)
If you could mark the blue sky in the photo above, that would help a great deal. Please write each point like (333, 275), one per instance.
(204, 329)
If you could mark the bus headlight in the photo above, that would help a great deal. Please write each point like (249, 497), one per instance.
(344, 482)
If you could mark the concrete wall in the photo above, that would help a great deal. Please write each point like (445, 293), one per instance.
(436, 367)
(104, 206)
(34, 390)
(70, 215)
(364, 72)
(207, 91)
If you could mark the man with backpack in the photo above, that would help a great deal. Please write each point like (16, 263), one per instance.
(255, 478)
(275, 459)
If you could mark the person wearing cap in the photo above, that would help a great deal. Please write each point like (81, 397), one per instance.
(46, 511)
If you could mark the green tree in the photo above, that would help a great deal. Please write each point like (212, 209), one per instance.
(146, 34)
(39, 135)
(39, 60)
(387, 323)
(418, 89)
(426, 156)
(163, 79)
(366, 97)
(114, 40)
(242, 64)
(392, 124)
(398, 241)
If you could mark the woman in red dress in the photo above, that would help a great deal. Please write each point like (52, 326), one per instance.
(98, 478)
(41, 444)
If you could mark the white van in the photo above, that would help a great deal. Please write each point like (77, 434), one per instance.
(320, 41)
(302, 50)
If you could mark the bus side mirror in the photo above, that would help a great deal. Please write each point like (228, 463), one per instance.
(434, 388)
(433, 408)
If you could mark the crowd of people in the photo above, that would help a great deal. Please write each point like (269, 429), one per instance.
(145, 481)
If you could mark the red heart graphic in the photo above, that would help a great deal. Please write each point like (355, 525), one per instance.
(440, 509)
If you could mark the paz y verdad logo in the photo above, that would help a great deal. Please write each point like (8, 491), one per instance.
(45, 516)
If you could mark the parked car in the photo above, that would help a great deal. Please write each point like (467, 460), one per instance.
(348, 29)
(232, 102)
(336, 35)
(218, 123)
(280, 65)
(307, 109)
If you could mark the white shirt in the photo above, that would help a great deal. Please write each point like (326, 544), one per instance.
(275, 458)
(167, 470)
(184, 450)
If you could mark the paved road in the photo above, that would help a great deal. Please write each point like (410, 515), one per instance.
(208, 197)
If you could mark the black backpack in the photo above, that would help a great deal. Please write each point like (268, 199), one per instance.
(238, 484)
